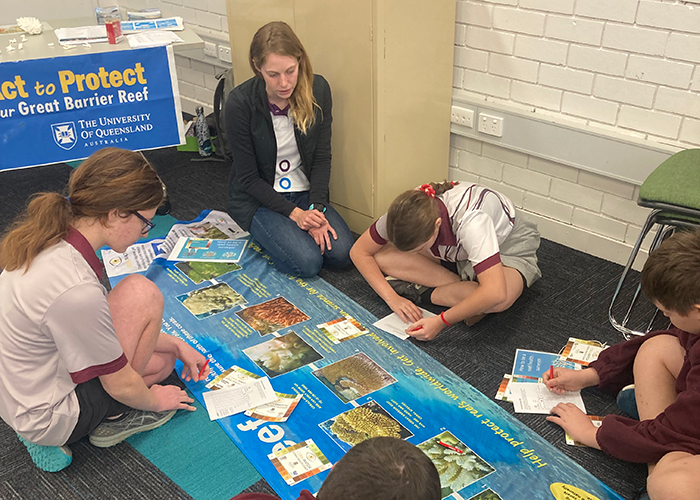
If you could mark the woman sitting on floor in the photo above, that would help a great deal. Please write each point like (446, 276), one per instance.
(278, 125)
(74, 359)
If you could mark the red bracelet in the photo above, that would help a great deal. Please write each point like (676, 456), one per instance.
(442, 317)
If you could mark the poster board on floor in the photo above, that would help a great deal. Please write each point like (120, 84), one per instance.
(353, 385)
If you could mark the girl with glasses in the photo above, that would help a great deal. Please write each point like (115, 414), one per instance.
(75, 360)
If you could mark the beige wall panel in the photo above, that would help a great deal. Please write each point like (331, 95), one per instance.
(245, 17)
(389, 64)
(337, 35)
(416, 97)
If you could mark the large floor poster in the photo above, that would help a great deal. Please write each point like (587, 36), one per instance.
(355, 382)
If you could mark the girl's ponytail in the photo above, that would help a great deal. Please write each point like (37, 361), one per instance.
(441, 187)
(45, 223)
(110, 179)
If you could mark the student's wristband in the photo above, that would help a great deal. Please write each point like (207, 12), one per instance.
(442, 317)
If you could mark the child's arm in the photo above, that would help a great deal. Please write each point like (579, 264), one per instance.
(490, 292)
(566, 379)
(362, 255)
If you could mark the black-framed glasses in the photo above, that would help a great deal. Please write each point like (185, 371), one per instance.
(148, 224)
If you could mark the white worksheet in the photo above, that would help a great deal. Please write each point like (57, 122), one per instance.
(394, 325)
(536, 398)
(231, 400)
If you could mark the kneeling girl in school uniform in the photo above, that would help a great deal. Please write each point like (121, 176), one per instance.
(461, 246)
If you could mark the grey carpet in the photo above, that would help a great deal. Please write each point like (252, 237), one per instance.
(570, 300)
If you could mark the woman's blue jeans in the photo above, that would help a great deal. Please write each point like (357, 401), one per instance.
(293, 250)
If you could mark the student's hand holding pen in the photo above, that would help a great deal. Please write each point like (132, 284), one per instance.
(561, 380)
(426, 328)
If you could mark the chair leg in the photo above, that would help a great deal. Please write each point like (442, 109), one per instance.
(621, 326)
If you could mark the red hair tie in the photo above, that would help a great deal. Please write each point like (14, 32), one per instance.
(428, 189)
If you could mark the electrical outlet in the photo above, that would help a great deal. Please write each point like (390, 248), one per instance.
(224, 54)
(210, 49)
(491, 125)
(462, 116)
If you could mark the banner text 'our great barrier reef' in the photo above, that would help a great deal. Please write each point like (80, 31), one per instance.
(65, 108)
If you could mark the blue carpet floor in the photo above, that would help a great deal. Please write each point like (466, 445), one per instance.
(192, 450)
(197, 455)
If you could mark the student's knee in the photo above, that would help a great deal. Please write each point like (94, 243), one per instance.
(675, 477)
(160, 366)
(136, 291)
(145, 291)
(503, 305)
(657, 349)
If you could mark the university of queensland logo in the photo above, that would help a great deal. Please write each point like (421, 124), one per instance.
(64, 135)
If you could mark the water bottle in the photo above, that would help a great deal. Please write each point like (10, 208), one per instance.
(202, 130)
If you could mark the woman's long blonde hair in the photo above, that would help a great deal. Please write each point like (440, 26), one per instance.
(278, 38)
(109, 179)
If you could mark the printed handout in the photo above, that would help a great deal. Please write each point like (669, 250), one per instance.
(342, 329)
(236, 399)
(276, 411)
(137, 258)
(534, 363)
(208, 250)
(299, 461)
(394, 325)
(536, 398)
(582, 352)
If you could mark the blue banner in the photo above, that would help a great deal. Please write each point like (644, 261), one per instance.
(354, 383)
(66, 108)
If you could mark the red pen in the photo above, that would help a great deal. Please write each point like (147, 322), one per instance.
(551, 372)
(204, 367)
(450, 447)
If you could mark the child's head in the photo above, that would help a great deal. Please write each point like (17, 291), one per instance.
(113, 178)
(671, 279)
(382, 467)
(412, 217)
(110, 179)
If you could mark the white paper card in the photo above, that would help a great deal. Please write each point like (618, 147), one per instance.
(231, 400)
(394, 325)
(152, 39)
(536, 398)
(139, 256)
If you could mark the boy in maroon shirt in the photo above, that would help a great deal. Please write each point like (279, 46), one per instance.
(665, 369)
(382, 467)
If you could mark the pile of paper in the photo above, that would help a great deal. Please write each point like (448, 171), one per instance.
(525, 387)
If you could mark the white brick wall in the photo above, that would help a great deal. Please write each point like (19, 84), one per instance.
(630, 64)
(626, 68)
(583, 210)
(196, 72)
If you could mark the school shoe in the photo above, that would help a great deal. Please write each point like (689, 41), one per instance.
(627, 401)
(48, 458)
(407, 290)
(111, 432)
